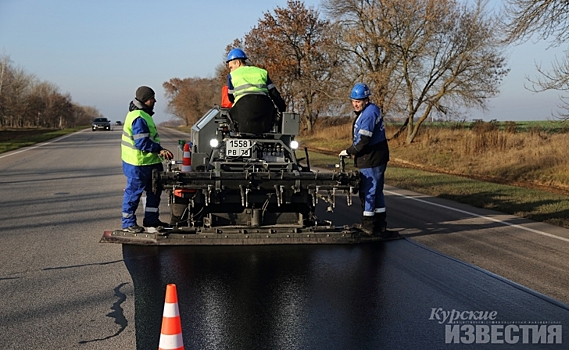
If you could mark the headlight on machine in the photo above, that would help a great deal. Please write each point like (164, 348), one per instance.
(294, 144)
(214, 143)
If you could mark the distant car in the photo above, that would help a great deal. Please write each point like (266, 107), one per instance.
(101, 124)
(118, 122)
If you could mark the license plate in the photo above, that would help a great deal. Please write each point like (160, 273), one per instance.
(238, 148)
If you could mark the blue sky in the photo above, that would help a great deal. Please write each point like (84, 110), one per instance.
(101, 51)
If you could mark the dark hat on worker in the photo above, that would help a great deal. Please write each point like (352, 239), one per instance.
(143, 93)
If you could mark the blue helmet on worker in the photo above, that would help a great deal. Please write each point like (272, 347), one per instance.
(236, 54)
(360, 91)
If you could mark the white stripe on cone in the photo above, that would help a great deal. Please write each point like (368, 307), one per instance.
(171, 310)
(174, 341)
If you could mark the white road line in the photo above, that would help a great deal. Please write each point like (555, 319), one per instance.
(505, 223)
(38, 145)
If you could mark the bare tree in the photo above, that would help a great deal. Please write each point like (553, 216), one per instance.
(4, 70)
(422, 56)
(42, 97)
(15, 97)
(369, 30)
(461, 66)
(547, 20)
(26, 101)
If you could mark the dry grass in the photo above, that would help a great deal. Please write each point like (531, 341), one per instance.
(532, 158)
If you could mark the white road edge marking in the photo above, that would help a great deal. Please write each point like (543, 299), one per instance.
(38, 145)
(505, 223)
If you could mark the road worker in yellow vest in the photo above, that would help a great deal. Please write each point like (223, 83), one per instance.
(253, 95)
(141, 153)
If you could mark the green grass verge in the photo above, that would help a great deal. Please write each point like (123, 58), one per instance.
(9, 143)
(527, 203)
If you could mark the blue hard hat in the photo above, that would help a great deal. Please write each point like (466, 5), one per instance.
(360, 92)
(236, 54)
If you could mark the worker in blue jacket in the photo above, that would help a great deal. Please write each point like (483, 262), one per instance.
(371, 154)
(141, 153)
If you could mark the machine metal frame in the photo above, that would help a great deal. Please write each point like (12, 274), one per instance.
(248, 189)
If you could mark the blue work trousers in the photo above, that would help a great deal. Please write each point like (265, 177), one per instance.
(371, 190)
(139, 180)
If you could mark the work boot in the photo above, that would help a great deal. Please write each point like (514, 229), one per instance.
(380, 228)
(133, 229)
(367, 226)
(380, 223)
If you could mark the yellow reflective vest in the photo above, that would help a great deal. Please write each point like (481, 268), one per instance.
(129, 153)
(249, 80)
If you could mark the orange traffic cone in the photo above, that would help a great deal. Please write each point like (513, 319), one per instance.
(187, 159)
(171, 333)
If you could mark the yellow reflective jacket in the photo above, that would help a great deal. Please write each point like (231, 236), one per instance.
(129, 153)
(249, 80)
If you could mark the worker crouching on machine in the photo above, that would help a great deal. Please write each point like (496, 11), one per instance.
(253, 95)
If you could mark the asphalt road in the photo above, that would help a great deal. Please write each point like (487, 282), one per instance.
(62, 289)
